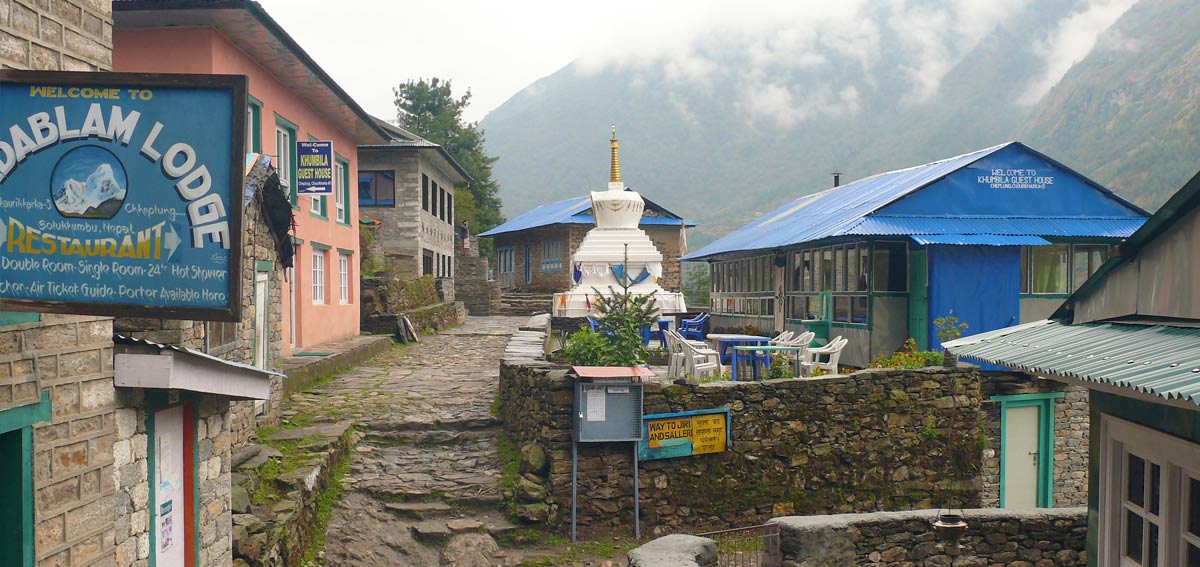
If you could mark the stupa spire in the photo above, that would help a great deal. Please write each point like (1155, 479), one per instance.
(614, 167)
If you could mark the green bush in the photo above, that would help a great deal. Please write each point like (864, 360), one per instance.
(908, 357)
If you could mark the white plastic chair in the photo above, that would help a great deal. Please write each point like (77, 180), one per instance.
(699, 361)
(781, 339)
(676, 362)
(833, 351)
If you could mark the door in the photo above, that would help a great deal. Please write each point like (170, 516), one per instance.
(918, 297)
(261, 299)
(528, 262)
(171, 486)
(15, 511)
(1020, 455)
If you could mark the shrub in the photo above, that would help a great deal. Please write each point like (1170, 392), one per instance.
(908, 357)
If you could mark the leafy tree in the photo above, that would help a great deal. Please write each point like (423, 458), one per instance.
(428, 108)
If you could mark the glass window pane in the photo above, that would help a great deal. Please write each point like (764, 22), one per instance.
(859, 310)
(891, 266)
(839, 269)
(841, 308)
(1193, 556)
(1049, 274)
(826, 269)
(864, 266)
(806, 271)
(1135, 480)
(1193, 506)
(1154, 487)
(1133, 536)
(1152, 546)
(1079, 266)
(1024, 269)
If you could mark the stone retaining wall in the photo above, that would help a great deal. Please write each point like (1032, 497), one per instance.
(892, 539)
(877, 439)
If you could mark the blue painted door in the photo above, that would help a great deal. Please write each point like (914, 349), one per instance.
(981, 284)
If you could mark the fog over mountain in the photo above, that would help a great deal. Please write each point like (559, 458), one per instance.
(738, 109)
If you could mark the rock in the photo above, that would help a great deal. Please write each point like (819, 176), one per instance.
(331, 430)
(430, 531)
(536, 512)
(418, 510)
(241, 499)
(533, 458)
(240, 563)
(251, 522)
(252, 547)
(464, 525)
(244, 454)
(470, 550)
(677, 550)
(528, 491)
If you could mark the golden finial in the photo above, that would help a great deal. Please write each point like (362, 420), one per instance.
(614, 169)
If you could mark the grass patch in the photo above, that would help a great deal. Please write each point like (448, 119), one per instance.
(325, 502)
(510, 469)
(494, 408)
(563, 551)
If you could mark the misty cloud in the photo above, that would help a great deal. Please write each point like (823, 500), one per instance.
(1071, 41)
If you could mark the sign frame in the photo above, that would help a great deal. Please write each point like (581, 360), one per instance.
(646, 453)
(237, 86)
(305, 188)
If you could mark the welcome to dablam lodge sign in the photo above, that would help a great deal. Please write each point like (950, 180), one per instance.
(121, 194)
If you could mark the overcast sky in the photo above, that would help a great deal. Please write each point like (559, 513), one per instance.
(496, 48)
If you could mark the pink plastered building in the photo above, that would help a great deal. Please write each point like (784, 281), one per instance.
(291, 99)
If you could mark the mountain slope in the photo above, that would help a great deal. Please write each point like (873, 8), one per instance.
(1127, 113)
(740, 137)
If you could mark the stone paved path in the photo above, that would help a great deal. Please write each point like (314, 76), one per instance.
(426, 465)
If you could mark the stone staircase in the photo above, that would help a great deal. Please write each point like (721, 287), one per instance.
(524, 303)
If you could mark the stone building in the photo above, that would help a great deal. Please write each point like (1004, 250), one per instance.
(406, 185)
(533, 251)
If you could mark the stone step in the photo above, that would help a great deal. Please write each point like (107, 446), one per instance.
(429, 424)
(425, 438)
(418, 510)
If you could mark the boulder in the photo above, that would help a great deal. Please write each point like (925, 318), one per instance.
(535, 512)
(241, 499)
(677, 550)
(470, 550)
(529, 491)
(533, 458)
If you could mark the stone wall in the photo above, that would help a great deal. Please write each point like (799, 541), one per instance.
(63, 35)
(905, 539)
(873, 440)
(472, 284)
(258, 252)
(69, 360)
(385, 301)
(1070, 436)
(213, 455)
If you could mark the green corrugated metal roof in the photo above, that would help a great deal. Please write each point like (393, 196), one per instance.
(1160, 360)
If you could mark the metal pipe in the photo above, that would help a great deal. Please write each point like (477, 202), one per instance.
(574, 482)
(637, 501)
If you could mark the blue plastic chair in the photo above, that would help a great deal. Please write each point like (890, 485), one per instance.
(693, 329)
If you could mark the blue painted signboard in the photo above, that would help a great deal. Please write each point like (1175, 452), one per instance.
(121, 194)
(683, 434)
(314, 168)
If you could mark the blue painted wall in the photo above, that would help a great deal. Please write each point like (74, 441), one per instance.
(981, 284)
(1010, 182)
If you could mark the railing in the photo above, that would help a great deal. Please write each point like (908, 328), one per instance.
(754, 546)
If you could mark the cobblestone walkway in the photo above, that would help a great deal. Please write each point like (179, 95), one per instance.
(426, 466)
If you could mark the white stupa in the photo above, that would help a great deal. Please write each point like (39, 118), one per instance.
(616, 248)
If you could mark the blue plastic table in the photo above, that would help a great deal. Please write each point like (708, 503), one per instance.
(766, 350)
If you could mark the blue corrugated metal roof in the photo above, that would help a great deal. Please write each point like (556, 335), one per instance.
(979, 239)
(1159, 360)
(851, 209)
(575, 211)
(1045, 226)
(835, 211)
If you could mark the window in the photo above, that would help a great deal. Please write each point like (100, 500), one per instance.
(253, 127)
(433, 201)
(340, 214)
(427, 262)
(442, 203)
(1085, 260)
(343, 278)
(1150, 497)
(1059, 268)
(890, 266)
(220, 335)
(318, 205)
(552, 255)
(424, 192)
(1048, 271)
(318, 276)
(450, 207)
(376, 189)
(285, 155)
(506, 260)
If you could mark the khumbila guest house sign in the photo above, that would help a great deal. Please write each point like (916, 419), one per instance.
(121, 194)
(314, 168)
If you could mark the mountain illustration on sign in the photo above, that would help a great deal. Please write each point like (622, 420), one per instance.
(88, 182)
